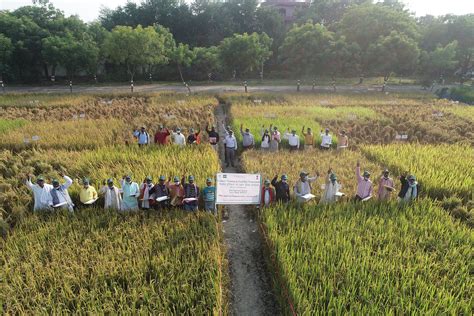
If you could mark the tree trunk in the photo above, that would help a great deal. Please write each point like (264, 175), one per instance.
(182, 79)
(46, 72)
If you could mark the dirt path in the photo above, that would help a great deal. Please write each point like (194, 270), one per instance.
(251, 289)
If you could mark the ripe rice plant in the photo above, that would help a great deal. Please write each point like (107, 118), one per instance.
(98, 262)
(32, 100)
(371, 259)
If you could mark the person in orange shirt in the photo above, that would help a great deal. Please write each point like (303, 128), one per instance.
(308, 138)
(176, 192)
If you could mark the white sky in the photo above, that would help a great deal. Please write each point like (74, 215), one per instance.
(88, 10)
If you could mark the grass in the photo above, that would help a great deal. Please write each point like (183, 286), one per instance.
(7, 125)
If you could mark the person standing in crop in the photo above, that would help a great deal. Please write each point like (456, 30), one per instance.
(386, 186)
(193, 138)
(112, 198)
(275, 139)
(213, 137)
(326, 140)
(59, 196)
(364, 185)
(176, 192)
(410, 189)
(308, 138)
(88, 194)
(230, 144)
(266, 138)
(178, 138)
(293, 140)
(330, 189)
(142, 136)
(191, 194)
(248, 141)
(268, 194)
(40, 192)
(146, 196)
(343, 140)
(160, 190)
(161, 136)
(282, 188)
(209, 197)
(131, 192)
(303, 186)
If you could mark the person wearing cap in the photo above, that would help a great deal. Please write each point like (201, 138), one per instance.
(308, 138)
(161, 136)
(275, 138)
(59, 196)
(303, 185)
(160, 190)
(266, 138)
(248, 141)
(112, 198)
(230, 144)
(88, 193)
(213, 137)
(386, 186)
(178, 138)
(191, 192)
(342, 140)
(268, 194)
(209, 197)
(130, 194)
(142, 136)
(364, 185)
(176, 192)
(282, 188)
(293, 139)
(146, 196)
(410, 188)
(326, 140)
(330, 188)
(193, 138)
(40, 192)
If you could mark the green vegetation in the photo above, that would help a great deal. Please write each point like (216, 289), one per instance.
(8, 125)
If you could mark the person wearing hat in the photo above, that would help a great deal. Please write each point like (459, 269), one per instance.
(142, 136)
(330, 189)
(178, 138)
(230, 144)
(213, 137)
(364, 185)
(275, 138)
(308, 138)
(293, 139)
(303, 186)
(209, 197)
(146, 196)
(160, 190)
(386, 186)
(342, 140)
(191, 194)
(88, 194)
(176, 192)
(282, 188)
(112, 198)
(326, 140)
(40, 192)
(193, 138)
(268, 194)
(266, 138)
(410, 188)
(161, 136)
(130, 194)
(59, 196)
(248, 141)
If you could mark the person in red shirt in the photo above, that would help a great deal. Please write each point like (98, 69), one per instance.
(161, 137)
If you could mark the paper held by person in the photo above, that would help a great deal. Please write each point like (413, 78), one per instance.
(162, 198)
(90, 202)
(187, 200)
(59, 204)
(367, 198)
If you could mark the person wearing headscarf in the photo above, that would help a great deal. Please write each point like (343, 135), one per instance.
(191, 194)
(326, 140)
(266, 138)
(303, 186)
(308, 138)
(112, 197)
(410, 189)
(268, 194)
(248, 140)
(59, 196)
(331, 187)
(386, 186)
(161, 136)
(160, 190)
(130, 194)
(293, 139)
(88, 194)
(282, 188)
(178, 138)
(146, 197)
(40, 192)
(209, 197)
(176, 192)
(275, 139)
(142, 136)
(364, 185)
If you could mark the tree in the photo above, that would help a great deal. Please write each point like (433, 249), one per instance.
(327, 12)
(206, 61)
(440, 61)
(344, 57)
(6, 49)
(181, 55)
(135, 47)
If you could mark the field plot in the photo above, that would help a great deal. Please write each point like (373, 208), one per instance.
(372, 259)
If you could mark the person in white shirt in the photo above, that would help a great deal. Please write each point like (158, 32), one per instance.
(303, 186)
(265, 144)
(293, 139)
(142, 136)
(330, 189)
(40, 192)
(248, 140)
(179, 138)
(326, 140)
(275, 138)
(59, 196)
(230, 144)
(112, 197)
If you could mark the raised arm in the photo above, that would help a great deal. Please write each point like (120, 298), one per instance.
(274, 180)
(302, 131)
(358, 176)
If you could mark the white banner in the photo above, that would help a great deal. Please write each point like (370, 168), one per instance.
(238, 188)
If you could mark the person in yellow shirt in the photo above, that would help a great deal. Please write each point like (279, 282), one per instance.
(308, 138)
(88, 194)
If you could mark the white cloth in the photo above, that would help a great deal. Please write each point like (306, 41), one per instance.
(143, 137)
(230, 142)
(113, 200)
(146, 194)
(326, 140)
(179, 139)
(40, 194)
(330, 190)
(266, 197)
(293, 140)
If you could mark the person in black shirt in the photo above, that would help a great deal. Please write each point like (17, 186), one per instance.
(282, 189)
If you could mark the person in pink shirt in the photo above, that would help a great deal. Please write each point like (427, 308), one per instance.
(364, 185)
(386, 186)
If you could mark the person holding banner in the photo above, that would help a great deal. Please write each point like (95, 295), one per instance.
(302, 188)
(59, 196)
(342, 140)
(146, 197)
(161, 194)
(213, 137)
(209, 197)
(308, 138)
(282, 188)
(112, 198)
(191, 194)
(88, 194)
(230, 144)
(331, 189)
(364, 185)
(131, 192)
(386, 186)
(268, 194)
(40, 192)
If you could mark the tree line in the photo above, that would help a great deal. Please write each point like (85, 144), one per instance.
(172, 40)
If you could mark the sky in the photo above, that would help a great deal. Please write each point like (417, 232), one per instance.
(88, 10)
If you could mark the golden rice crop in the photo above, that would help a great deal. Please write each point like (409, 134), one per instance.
(31, 100)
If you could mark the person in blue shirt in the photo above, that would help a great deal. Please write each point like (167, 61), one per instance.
(209, 197)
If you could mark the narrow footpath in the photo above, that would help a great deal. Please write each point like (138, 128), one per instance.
(251, 285)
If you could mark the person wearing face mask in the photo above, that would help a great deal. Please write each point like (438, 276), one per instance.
(386, 186)
(161, 136)
(146, 197)
(308, 138)
(293, 139)
(194, 138)
(191, 194)
(131, 192)
(410, 189)
(248, 141)
(282, 188)
(40, 192)
(179, 138)
(326, 140)
(268, 194)
(112, 198)
(176, 192)
(303, 187)
(59, 196)
(160, 194)
(331, 188)
(88, 194)
(265, 144)
(213, 137)
(275, 139)
(142, 136)
(364, 185)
